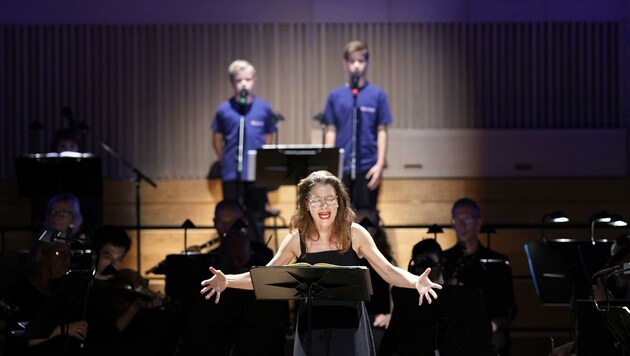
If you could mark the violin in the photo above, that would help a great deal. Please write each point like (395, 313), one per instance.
(125, 288)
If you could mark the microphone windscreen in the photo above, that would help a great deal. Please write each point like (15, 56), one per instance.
(243, 96)
(354, 80)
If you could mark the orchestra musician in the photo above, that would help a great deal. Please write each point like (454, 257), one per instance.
(244, 325)
(63, 214)
(470, 263)
(126, 317)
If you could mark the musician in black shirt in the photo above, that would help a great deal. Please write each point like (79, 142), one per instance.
(470, 263)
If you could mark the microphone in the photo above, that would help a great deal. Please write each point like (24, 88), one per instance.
(320, 117)
(354, 83)
(243, 96)
(277, 117)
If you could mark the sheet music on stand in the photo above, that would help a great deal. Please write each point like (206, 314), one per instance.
(274, 165)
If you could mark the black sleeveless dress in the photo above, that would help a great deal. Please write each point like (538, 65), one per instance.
(337, 327)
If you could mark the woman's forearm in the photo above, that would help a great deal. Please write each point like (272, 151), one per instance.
(240, 281)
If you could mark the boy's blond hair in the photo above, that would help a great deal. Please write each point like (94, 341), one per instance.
(238, 66)
(355, 46)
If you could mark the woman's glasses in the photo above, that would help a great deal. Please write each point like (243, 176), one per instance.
(62, 213)
(317, 202)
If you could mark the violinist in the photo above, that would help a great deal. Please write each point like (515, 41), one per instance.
(124, 314)
(112, 244)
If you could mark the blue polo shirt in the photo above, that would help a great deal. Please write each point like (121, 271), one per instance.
(373, 111)
(258, 123)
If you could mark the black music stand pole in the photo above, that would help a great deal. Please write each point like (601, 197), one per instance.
(309, 283)
(137, 180)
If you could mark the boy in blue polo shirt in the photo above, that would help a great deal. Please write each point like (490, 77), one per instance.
(373, 116)
(259, 128)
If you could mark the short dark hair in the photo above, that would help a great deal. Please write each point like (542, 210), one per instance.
(419, 261)
(110, 234)
(228, 204)
(427, 246)
(467, 203)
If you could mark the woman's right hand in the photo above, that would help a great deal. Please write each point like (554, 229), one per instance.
(217, 284)
(78, 329)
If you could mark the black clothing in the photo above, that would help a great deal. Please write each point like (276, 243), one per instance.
(337, 327)
(43, 313)
(254, 199)
(379, 302)
(361, 196)
(491, 273)
(239, 324)
(455, 323)
(153, 331)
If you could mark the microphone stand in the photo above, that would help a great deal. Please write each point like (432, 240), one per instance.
(321, 119)
(241, 145)
(137, 180)
(354, 85)
(276, 118)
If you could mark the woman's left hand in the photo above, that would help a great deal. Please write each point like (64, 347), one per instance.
(425, 287)
(382, 320)
(215, 285)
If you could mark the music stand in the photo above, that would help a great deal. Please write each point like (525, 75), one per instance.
(40, 176)
(274, 165)
(183, 273)
(561, 269)
(308, 283)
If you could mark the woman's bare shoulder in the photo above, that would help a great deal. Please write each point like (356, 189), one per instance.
(292, 239)
(289, 249)
(359, 234)
(358, 230)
